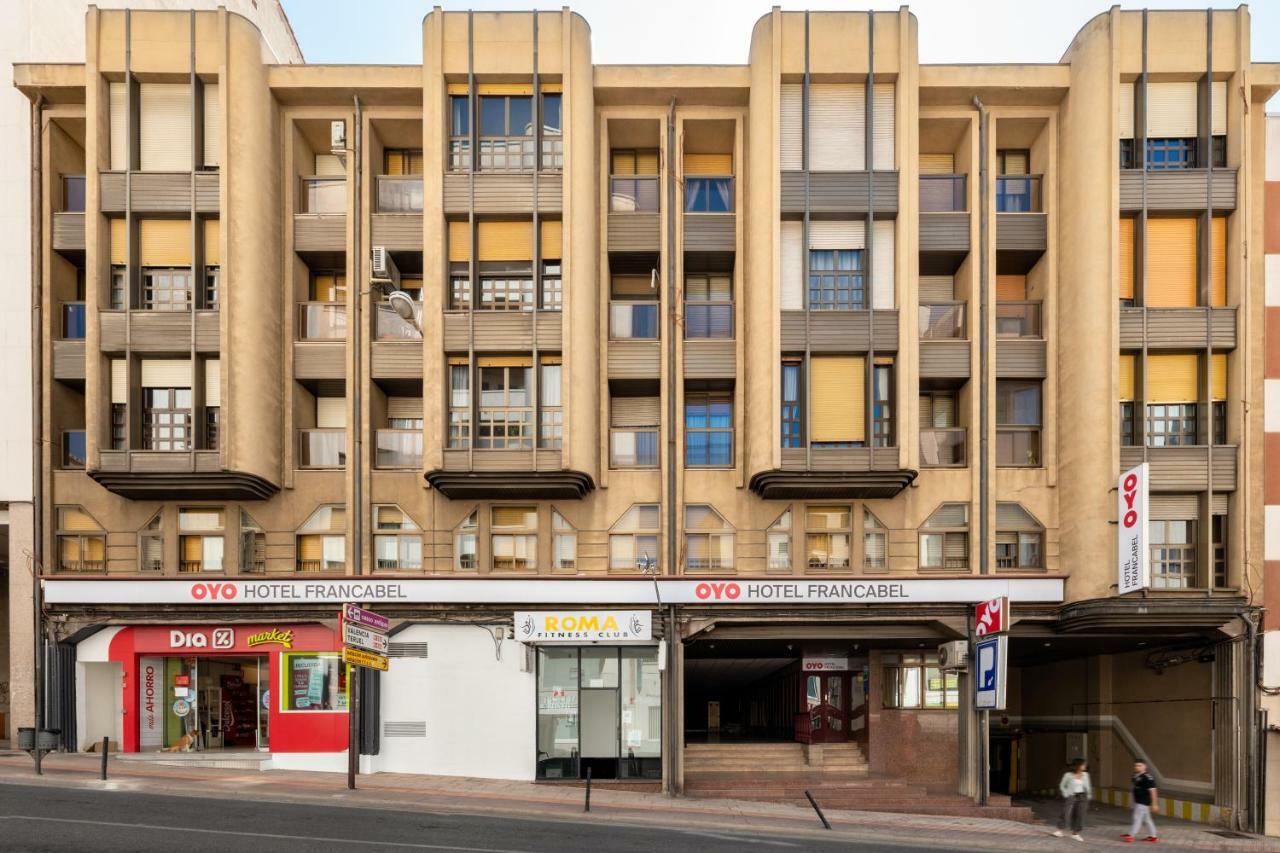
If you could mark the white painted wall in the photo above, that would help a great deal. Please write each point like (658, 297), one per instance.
(479, 709)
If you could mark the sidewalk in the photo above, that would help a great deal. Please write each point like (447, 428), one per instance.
(402, 792)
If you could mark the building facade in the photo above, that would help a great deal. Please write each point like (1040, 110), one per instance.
(720, 396)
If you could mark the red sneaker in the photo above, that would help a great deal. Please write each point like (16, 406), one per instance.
(1151, 839)
(1127, 838)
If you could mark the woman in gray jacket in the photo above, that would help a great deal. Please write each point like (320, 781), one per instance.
(1076, 793)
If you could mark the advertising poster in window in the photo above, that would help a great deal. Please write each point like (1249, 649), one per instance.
(307, 683)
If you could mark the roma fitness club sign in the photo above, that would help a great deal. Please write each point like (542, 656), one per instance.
(640, 591)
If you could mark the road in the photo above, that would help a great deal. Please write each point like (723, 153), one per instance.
(48, 819)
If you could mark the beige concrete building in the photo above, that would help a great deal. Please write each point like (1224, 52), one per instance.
(719, 394)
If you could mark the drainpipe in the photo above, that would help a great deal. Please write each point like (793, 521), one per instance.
(674, 736)
(984, 358)
(357, 379)
(37, 418)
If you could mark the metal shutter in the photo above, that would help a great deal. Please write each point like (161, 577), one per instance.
(331, 412)
(1174, 507)
(119, 126)
(708, 164)
(791, 127)
(837, 127)
(937, 288)
(937, 164)
(119, 381)
(882, 264)
(1011, 516)
(164, 127)
(119, 242)
(1126, 258)
(792, 263)
(505, 241)
(459, 242)
(212, 242)
(837, 389)
(1172, 378)
(212, 123)
(838, 234)
(1011, 288)
(166, 373)
(1218, 122)
(1218, 261)
(213, 382)
(310, 549)
(937, 411)
(647, 162)
(1171, 110)
(552, 237)
(329, 166)
(1218, 503)
(949, 515)
(1171, 263)
(883, 127)
(404, 407)
(629, 412)
(1218, 376)
(1015, 162)
(164, 242)
(1127, 365)
(1126, 111)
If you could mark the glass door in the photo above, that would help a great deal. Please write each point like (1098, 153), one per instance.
(263, 701)
(827, 706)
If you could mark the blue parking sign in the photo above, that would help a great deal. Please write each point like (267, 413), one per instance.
(990, 664)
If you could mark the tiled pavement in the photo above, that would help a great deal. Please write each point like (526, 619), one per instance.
(555, 802)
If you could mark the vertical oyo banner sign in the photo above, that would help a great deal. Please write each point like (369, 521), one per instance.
(151, 703)
(1133, 557)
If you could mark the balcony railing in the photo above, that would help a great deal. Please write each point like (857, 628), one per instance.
(322, 448)
(398, 448)
(73, 320)
(71, 566)
(322, 321)
(1018, 194)
(943, 447)
(942, 321)
(72, 194)
(633, 448)
(320, 565)
(399, 194)
(708, 195)
(633, 321)
(507, 154)
(390, 326)
(1018, 320)
(633, 194)
(1018, 447)
(323, 195)
(943, 193)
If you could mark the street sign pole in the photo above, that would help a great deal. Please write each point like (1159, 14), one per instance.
(353, 714)
(364, 645)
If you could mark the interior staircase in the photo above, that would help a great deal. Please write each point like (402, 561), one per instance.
(837, 775)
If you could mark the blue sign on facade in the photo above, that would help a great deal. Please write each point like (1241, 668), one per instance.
(990, 665)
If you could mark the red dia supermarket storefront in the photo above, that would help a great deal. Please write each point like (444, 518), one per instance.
(277, 687)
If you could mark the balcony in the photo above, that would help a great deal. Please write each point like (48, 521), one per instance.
(398, 194)
(633, 448)
(634, 194)
(943, 194)
(390, 326)
(824, 473)
(176, 475)
(508, 474)
(68, 234)
(1177, 191)
(1186, 468)
(840, 331)
(322, 321)
(1178, 328)
(633, 321)
(322, 448)
(73, 321)
(1018, 194)
(942, 321)
(1019, 319)
(502, 330)
(943, 447)
(320, 225)
(398, 448)
(839, 193)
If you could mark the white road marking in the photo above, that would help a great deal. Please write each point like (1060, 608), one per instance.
(739, 838)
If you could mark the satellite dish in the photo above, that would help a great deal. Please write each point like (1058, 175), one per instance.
(404, 306)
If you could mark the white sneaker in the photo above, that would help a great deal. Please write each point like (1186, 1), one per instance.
(1076, 837)
(1057, 833)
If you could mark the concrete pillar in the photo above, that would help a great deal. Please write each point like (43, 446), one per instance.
(1101, 739)
(21, 647)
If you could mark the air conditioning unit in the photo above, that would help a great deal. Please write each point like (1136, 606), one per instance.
(338, 138)
(384, 268)
(953, 655)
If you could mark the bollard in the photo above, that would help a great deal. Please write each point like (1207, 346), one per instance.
(587, 806)
(106, 744)
(821, 816)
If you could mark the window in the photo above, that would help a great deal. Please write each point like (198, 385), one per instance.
(1127, 438)
(73, 318)
(552, 132)
(1219, 421)
(779, 543)
(322, 543)
(166, 289)
(836, 280)
(166, 418)
(944, 538)
(465, 558)
(313, 682)
(1128, 159)
(328, 287)
(1171, 424)
(942, 442)
(1017, 423)
(506, 286)
(875, 543)
(1019, 538)
(459, 406)
(212, 416)
(459, 133)
(119, 427)
(397, 541)
(506, 410)
(459, 286)
(708, 539)
(882, 403)
(212, 276)
(708, 306)
(1173, 554)
(708, 195)
(200, 542)
(151, 546)
(253, 545)
(917, 681)
(73, 449)
(514, 538)
(82, 543)
(1171, 154)
(708, 423)
(564, 544)
(1219, 147)
(633, 307)
(633, 540)
(551, 431)
(506, 133)
(633, 180)
(552, 287)
(118, 284)
(324, 316)
(402, 161)
(828, 537)
(633, 432)
(1220, 572)
(792, 405)
(73, 193)
(837, 402)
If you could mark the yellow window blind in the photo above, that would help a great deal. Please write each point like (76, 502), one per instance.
(164, 242)
(552, 235)
(119, 243)
(212, 123)
(166, 373)
(119, 122)
(647, 162)
(212, 242)
(1218, 279)
(1126, 110)
(937, 164)
(504, 361)
(192, 548)
(1218, 117)
(328, 287)
(310, 548)
(551, 88)
(1011, 288)
(635, 286)
(331, 412)
(457, 88)
(622, 162)
(1126, 377)
(459, 242)
(75, 518)
(1218, 377)
(164, 127)
(1126, 258)
(525, 517)
(504, 88)
(404, 161)
(1172, 379)
(791, 126)
(119, 381)
(213, 382)
(1171, 263)
(708, 164)
(837, 388)
(506, 240)
(1172, 110)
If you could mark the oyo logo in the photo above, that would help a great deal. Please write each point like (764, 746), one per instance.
(214, 591)
(1129, 488)
(717, 591)
(219, 638)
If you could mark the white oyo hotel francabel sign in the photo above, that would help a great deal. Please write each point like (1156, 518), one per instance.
(1133, 553)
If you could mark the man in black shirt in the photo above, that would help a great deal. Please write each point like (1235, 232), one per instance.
(1144, 802)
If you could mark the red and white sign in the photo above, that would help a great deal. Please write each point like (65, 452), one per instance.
(825, 663)
(992, 617)
(151, 701)
(1133, 554)
(218, 639)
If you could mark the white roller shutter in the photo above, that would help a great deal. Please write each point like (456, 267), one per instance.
(331, 412)
(1171, 110)
(837, 127)
(328, 165)
(119, 126)
(1175, 507)
(165, 127)
(1219, 108)
(166, 373)
(119, 381)
(631, 412)
(937, 164)
(213, 382)
(882, 264)
(791, 126)
(883, 128)
(212, 123)
(1126, 110)
(792, 263)
(838, 234)
(404, 407)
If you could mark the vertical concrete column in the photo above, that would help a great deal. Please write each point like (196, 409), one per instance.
(1102, 767)
(21, 626)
